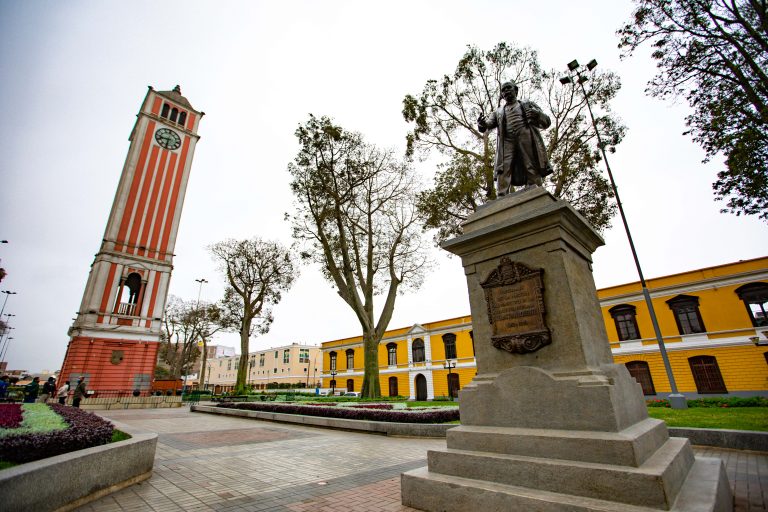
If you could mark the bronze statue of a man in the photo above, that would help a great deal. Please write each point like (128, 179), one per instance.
(521, 157)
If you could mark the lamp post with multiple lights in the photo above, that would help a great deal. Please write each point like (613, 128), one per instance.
(576, 75)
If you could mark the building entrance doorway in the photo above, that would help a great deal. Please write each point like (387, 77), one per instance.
(421, 387)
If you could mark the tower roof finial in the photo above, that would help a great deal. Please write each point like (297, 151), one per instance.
(177, 89)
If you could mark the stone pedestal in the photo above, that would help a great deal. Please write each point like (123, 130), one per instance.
(550, 423)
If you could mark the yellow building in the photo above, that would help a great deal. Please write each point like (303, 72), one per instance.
(713, 322)
(289, 364)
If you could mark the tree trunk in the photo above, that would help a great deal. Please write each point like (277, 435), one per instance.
(242, 366)
(201, 380)
(371, 385)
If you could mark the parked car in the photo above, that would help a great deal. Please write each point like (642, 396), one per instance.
(352, 393)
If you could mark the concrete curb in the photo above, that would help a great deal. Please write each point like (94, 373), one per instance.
(68, 481)
(732, 439)
(371, 427)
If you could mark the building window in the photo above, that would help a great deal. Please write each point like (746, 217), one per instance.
(164, 112)
(626, 325)
(350, 385)
(350, 359)
(261, 359)
(333, 384)
(332, 356)
(450, 345)
(182, 118)
(417, 348)
(755, 297)
(286, 356)
(393, 386)
(303, 355)
(687, 315)
(642, 374)
(391, 354)
(229, 364)
(174, 114)
(275, 354)
(707, 375)
(274, 370)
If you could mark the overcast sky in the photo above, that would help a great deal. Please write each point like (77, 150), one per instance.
(74, 74)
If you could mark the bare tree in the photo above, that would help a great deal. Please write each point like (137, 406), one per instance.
(183, 326)
(257, 272)
(444, 119)
(355, 218)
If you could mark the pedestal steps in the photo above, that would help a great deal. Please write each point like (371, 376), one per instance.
(704, 490)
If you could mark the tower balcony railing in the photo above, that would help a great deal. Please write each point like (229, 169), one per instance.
(126, 308)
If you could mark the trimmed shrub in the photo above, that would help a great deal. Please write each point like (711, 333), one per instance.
(442, 415)
(734, 401)
(10, 415)
(85, 430)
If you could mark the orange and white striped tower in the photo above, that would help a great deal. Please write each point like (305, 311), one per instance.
(114, 339)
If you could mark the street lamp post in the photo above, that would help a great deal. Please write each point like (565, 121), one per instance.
(7, 294)
(577, 75)
(5, 349)
(449, 365)
(333, 382)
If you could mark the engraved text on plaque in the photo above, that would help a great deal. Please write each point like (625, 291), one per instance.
(514, 295)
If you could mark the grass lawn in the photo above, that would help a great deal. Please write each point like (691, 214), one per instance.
(733, 418)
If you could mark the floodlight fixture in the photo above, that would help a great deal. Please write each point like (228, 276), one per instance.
(573, 65)
(583, 79)
(591, 65)
(566, 80)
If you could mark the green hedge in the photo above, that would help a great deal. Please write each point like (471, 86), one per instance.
(754, 401)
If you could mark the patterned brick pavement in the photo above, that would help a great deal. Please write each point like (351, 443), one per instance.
(218, 463)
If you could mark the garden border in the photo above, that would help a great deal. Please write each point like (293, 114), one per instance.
(70, 480)
(732, 439)
(372, 427)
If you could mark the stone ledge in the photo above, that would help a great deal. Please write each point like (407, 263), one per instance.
(67, 481)
(373, 427)
(733, 439)
(721, 438)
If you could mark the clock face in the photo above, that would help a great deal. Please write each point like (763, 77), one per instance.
(168, 139)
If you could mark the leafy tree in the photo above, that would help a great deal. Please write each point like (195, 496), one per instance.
(714, 53)
(444, 118)
(355, 218)
(185, 324)
(257, 273)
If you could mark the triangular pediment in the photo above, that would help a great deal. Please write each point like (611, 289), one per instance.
(417, 329)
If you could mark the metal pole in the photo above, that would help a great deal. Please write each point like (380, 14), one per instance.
(7, 294)
(676, 400)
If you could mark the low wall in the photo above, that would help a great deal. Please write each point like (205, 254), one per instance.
(733, 439)
(68, 481)
(130, 402)
(373, 427)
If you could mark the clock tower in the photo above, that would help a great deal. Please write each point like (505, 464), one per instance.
(114, 339)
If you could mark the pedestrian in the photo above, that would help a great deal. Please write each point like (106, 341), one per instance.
(79, 392)
(31, 390)
(62, 393)
(4, 387)
(49, 388)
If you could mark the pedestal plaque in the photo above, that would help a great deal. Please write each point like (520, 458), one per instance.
(550, 423)
(515, 300)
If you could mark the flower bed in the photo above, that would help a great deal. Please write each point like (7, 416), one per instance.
(84, 431)
(383, 407)
(442, 415)
(10, 415)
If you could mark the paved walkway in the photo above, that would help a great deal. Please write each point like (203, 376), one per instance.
(206, 462)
